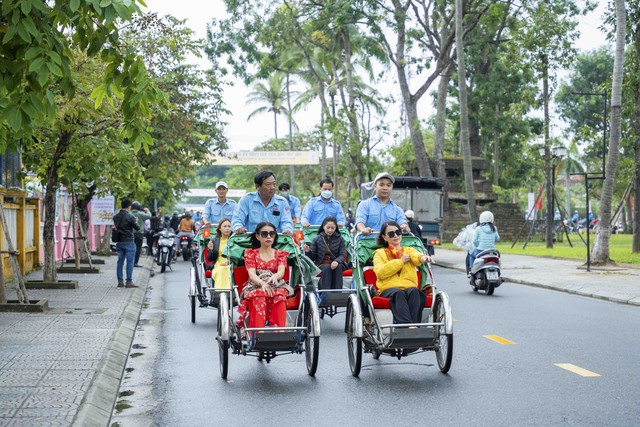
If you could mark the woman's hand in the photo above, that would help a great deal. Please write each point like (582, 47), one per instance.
(272, 280)
(306, 247)
(425, 259)
(405, 258)
(266, 287)
(334, 265)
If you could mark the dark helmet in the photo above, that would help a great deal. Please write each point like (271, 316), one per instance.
(136, 205)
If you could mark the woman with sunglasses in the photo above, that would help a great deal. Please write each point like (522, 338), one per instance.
(264, 296)
(328, 252)
(395, 268)
(219, 265)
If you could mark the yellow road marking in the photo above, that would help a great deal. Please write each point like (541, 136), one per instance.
(499, 340)
(577, 370)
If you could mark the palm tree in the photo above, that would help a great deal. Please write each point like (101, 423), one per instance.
(600, 252)
(272, 95)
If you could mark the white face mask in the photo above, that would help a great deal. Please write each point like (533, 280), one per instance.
(326, 194)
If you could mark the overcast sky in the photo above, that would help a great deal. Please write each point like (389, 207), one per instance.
(245, 135)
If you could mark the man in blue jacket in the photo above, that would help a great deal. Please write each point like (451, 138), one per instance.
(262, 205)
(294, 203)
(375, 211)
(322, 206)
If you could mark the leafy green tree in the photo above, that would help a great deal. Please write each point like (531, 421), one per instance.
(37, 50)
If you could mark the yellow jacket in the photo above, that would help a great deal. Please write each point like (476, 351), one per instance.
(392, 272)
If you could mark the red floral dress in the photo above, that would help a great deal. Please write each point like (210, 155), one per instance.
(257, 303)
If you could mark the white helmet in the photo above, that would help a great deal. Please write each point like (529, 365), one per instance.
(409, 213)
(486, 216)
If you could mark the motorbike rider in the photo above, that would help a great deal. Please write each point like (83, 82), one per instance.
(185, 228)
(323, 206)
(414, 227)
(485, 236)
(174, 221)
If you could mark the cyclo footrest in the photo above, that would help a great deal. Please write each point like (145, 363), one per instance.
(415, 337)
(274, 341)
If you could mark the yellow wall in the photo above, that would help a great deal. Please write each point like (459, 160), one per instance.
(28, 257)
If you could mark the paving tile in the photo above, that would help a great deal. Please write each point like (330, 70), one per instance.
(16, 377)
(13, 397)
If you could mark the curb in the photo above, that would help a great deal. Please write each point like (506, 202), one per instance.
(97, 404)
(575, 290)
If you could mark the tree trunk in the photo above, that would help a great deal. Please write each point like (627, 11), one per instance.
(600, 252)
(292, 172)
(441, 124)
(275, 124)
(635, 213)
(49, 270)
(3, 294)
(82, 205)
(464, 117)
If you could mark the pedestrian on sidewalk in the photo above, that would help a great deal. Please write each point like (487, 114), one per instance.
(125, 224)
(142, 214)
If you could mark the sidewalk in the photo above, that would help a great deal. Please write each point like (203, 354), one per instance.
(64, 367)
(617, 284)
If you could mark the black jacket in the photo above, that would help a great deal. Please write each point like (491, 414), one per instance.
(415, 228)
(336, 246)
(126, 223)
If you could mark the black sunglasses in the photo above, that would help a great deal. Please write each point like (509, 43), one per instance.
(394, 233)
(265, 234)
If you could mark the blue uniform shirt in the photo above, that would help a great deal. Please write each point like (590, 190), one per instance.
(214, 211)
(373, 214)
(316, 210)
(251, 211)
(295, 206)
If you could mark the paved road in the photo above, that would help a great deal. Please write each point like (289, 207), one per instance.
(504, 372)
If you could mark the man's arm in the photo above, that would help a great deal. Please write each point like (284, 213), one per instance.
(240, 213)
(362, 212)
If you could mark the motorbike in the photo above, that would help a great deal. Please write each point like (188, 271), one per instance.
(485, 272)
(185, 247)
(165, 248)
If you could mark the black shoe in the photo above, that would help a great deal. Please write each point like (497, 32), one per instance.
(130, 284)
(120, 284)
(137, 265)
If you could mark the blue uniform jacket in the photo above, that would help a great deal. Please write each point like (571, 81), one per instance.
(214, 211)
(316, 210)
(251, 211)
(295, 206)
(373, 214)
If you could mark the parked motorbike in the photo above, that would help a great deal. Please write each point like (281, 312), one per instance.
(485, 272)
(165, 248)
(185, 247)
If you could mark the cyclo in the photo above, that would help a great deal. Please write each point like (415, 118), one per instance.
(302, 333)
(435, 333)
(201, 284)
(332, 299)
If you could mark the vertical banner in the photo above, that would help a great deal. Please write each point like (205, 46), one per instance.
(530, 214)
(102, 210)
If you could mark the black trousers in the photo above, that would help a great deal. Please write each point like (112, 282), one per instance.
(137, 238)
(330, 279)
(406, 304)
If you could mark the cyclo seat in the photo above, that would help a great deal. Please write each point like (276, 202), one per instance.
(241, 277)
(382, 302)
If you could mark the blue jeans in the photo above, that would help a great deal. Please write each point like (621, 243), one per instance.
(125, 250)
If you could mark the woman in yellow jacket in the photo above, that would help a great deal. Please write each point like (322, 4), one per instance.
(395, 269)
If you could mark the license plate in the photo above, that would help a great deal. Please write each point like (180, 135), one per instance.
(492, 275)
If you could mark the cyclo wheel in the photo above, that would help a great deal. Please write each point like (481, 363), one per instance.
(444, 341)
(354, 344)
(223, 336)
(312, 344)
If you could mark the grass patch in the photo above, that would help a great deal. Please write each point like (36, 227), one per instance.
(122, 405)
(619, 248)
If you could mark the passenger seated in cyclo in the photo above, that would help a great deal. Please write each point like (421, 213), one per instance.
(395, 269)
(219, 265)
(328, 252)
(264, 296)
